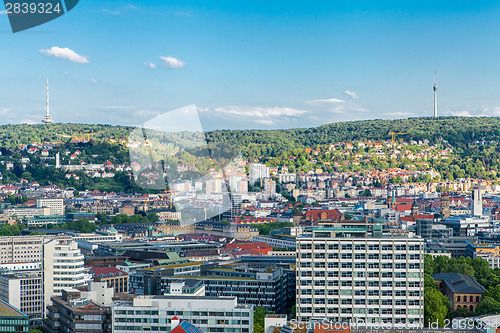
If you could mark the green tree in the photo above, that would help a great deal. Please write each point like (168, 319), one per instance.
(487, 305)
(259, 315)
(435, 307)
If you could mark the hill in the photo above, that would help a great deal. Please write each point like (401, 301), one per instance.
(458, 131)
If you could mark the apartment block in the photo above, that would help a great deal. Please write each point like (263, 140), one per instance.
(210, 314)
(24, 290)
(56, 205)
(18, 249)
(64, 268)
(346, 275)
(78, 311)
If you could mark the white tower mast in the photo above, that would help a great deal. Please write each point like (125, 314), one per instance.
(47, 119)
(435, 96)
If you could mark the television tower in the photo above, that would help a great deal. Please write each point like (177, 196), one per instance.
(47, 119)
(435, 96)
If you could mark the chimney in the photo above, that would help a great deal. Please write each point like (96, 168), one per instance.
(174, 322)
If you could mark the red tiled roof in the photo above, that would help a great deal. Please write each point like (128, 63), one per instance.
(107, 272)
(324, 214)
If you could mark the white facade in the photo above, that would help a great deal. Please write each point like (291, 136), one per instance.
(56, 205)
(213, 186)
(96, 238)
(210, 314)
(19, 249)
(375, 280)
(64, 268)
(24, 290)
(477, 203)
(26, 212)
(256, 172)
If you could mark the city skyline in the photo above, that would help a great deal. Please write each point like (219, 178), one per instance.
(253, 66)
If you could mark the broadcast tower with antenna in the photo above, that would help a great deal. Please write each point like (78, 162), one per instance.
(47, 119)
(435, 96)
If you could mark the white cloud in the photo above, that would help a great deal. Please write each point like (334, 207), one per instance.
(112, 12)
(396, 114)
(146, 113)
(29, 122)
(259, 112)
(65, 53)
(463, 113)
(3, 12)
(265, 122)
(130, 6)
(150, 65)
(325, 101)
(172, 62)
(93, 81)
(266, 116)
(335, 105)
(352, 94)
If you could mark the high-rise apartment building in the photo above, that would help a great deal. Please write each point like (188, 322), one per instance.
(268, 188)
(256, 172)
(345, 276)
(232, 204)
(64, 268)
(477, 203)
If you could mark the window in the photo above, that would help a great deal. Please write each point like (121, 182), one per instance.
(346, 246)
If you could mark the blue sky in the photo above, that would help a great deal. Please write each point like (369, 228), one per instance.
(254, 64)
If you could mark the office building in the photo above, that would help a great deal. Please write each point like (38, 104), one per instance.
(156, 313)
(78, 311)
(68, 268)
(115, 278)
(24, 290)
(343, 275)
(13, 320)
(56, 205)
(18, 249)
(258, 287)
(24, 213)
(44, 220)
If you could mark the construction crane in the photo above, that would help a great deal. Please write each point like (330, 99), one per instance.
(392, 134)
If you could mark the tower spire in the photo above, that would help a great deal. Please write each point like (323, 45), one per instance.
(435, 95)
(47, 119)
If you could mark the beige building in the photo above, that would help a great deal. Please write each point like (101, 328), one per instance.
(56, 205)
